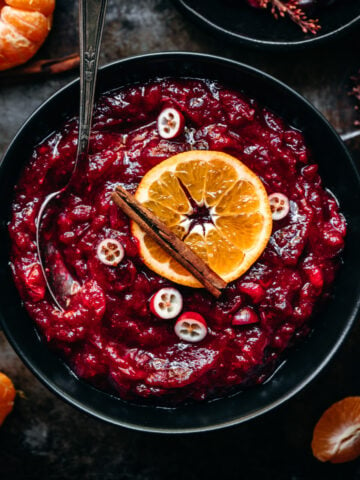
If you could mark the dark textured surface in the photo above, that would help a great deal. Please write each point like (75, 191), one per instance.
(46, 439)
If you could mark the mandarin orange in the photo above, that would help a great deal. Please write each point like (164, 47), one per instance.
(24, 26)
(7, 396)
(336, 436)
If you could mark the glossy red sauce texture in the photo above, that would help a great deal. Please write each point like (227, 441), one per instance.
(108, 334)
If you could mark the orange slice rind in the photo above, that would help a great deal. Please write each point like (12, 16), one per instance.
(215, 204)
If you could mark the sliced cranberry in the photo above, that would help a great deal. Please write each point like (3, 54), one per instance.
(245, 316)
(191, 327)
(170, 123)
(166, 303)
(110, 252)
(279, 205)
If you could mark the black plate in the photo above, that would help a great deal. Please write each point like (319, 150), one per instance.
(331, 325)
(239, 22)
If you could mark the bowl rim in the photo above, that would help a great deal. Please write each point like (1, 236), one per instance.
(81, 405)
(282, 45)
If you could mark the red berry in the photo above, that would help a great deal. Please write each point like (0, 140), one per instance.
(170, 123)
(166, 303)
(279, 205)
(191, 327)
(110, 252)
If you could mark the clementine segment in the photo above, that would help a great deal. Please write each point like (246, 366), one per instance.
(336, 436)
(215, 204)
(7, 396)
(24, 26)
(46, 7)
(32, 25)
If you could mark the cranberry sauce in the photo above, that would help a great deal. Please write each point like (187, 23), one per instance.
(108, 334)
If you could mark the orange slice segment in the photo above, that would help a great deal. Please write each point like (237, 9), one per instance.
(194, 178)
(7, 396)
(215, 204)
(166, 190)
(337, 434)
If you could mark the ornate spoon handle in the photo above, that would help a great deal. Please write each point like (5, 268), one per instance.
(91, 23)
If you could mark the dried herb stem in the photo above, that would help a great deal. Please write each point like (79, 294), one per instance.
(280, 8)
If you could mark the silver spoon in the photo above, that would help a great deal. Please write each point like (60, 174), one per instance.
(91, 23)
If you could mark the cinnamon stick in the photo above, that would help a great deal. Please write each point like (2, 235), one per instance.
(172, 244)
(37, 68)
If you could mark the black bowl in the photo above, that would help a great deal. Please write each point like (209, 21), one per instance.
(331, 326)
(238, 22)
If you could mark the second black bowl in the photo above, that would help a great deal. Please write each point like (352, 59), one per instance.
(238, 22)
(331, 325)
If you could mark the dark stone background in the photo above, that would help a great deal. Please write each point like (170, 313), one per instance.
(46, 439)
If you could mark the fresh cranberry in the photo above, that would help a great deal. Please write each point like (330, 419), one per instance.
(170, 123)
(279, 205)
(110, 252)
(166, 303)
(191, 327)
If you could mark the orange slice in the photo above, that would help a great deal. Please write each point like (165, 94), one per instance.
(7, 396)
(215, 204)
(337, 434)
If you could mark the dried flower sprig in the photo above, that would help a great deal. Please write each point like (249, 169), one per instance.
(280, 8)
